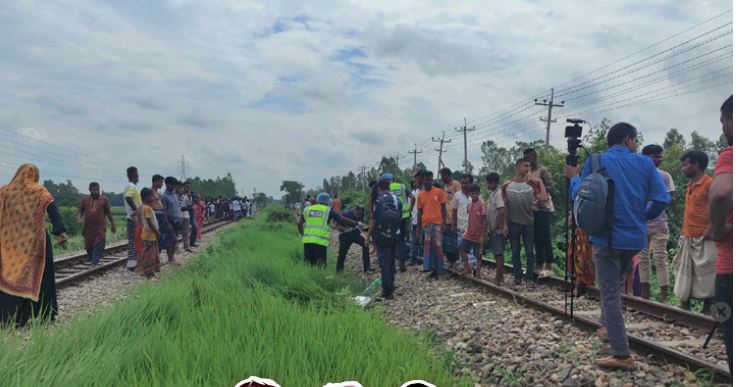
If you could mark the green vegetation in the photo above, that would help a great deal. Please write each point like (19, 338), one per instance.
(76, 240)
(246, 306)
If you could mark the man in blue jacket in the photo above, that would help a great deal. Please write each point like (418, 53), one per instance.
(637, 182)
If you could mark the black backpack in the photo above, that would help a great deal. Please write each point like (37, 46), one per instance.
(593, 205)
(388, 224)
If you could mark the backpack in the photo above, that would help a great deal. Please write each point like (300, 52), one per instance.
(388, 224)
(593, 205)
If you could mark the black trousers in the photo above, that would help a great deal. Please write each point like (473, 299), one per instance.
(401, 253)
(315, 254)
(542, 236)
(724, 306)
(345, 240)
(387, 269)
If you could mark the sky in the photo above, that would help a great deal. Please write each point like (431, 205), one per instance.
(283, 90)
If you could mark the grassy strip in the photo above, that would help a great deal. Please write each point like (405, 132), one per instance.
(247, 306)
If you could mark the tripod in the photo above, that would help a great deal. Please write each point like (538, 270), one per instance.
(573, 141)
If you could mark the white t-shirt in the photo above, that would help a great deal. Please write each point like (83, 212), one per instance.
(414, 212)
(131, 191)
(460, 202)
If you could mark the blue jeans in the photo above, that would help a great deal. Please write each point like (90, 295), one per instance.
(96, 252)
(526, 232)
(610, 265)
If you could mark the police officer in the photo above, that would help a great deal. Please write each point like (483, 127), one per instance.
(314, 227)
(404, 196)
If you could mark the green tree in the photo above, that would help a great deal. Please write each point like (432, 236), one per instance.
(223, 187)
(65, 194)
(496, 158)
(674, 139)
(293, 190)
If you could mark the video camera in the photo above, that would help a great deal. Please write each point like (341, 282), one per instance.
(573, 136)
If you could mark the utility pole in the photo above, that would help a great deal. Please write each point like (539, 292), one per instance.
(440, 150)
(550, 103)
(465, 130)
(415, 152)
(182, 165)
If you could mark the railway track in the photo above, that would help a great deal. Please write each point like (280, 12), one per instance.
(659, 331)
(73, 268)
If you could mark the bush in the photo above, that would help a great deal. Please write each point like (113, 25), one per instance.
(276, 214)
(69, 218)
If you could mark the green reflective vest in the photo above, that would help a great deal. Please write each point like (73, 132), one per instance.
(399, 191)
(316, 228)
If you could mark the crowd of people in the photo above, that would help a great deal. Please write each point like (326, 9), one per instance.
(155, 221)
(435, 221)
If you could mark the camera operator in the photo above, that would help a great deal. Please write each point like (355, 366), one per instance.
(636, 180)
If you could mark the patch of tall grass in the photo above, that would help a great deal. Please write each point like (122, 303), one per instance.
(246, 306)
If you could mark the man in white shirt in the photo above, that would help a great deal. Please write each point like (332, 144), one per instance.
(414, 240)
(496, 224)
(460, 208)
(132, 200)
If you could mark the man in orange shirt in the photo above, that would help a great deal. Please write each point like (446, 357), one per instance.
(695, 260)
(432, 216)
(721, 223)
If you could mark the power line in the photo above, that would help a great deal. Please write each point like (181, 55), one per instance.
(464, 130)
(415, 153)
(440, 150)
(550, 104)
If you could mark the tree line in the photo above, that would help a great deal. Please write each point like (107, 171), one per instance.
(352, 187)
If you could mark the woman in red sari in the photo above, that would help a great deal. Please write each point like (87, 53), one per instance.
(198, 208)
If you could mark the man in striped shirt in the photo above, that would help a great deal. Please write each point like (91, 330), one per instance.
(695, 261)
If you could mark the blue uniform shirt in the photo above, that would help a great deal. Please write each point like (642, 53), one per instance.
(170, 202)
(636, 182)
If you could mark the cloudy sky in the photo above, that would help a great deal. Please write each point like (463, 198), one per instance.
(270, 91)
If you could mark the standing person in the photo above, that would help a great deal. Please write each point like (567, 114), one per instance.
(198, 207)
(350, 234)
(432, 216)
(496, 225)
(184, 218)
(415, 241)
(635, 180)
(191, 213)
(384, 231)
(211, 210)
(694, 262)
(450, 239)
(542, 216)
(522, 195)
(316, 234)
(132, 200)
(148, 258)
(473, 238)
(336, 204)
(721, 222)
(658, 236)
(91, 214)
(459, 208)
(235, 209)
(173, 211)
(157, 182)
(583, 266)
(404, 196)
(27, 284)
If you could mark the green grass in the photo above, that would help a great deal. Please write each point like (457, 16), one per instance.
(247, 306)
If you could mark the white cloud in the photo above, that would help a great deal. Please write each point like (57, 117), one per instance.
(303, 90)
